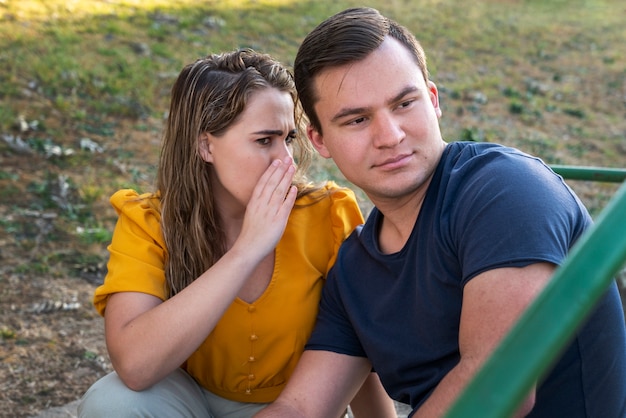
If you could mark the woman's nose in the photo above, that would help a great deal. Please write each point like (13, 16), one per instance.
(282, 150)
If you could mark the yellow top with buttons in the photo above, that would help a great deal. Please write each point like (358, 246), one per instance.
(254, 348)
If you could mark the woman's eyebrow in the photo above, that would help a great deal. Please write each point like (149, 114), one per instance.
(269, 132)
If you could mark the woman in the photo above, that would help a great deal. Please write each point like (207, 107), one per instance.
(213, 282)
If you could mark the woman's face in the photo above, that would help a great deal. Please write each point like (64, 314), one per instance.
(262, 133)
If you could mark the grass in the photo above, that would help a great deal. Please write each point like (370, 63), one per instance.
(84, 87)
(547, 77)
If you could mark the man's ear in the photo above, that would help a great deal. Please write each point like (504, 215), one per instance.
(205, 147)
(318, 141)
(434, 97)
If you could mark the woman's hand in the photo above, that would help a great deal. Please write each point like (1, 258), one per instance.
(269, 208)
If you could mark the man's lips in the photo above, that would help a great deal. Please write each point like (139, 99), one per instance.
(394, 162)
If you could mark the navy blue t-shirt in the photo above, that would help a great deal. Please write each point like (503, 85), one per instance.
(487, 207)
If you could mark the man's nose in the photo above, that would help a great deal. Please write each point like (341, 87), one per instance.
(387, 130)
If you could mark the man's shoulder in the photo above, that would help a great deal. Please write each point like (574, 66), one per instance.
(463, 151)
(482, 163)
(358, 242)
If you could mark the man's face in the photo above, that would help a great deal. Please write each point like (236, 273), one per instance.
(380, 122)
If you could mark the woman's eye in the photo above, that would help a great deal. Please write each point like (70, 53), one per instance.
(290, 138)
(263, 141)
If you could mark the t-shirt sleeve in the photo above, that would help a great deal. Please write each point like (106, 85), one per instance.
(333, 329)
(137, 250)
(512, 213)
(332, 323)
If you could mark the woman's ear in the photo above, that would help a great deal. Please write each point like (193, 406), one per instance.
(317, 140)
(205, 146)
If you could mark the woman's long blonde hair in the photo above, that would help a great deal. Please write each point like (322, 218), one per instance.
(208, 96)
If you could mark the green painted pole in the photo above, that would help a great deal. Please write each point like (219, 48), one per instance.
(551, 320)
(611, 175)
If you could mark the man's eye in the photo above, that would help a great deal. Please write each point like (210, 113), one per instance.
(404, 104)
(356, 121)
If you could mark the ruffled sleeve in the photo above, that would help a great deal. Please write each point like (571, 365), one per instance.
(345, 215)
(137, 251)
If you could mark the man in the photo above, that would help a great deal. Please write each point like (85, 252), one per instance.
(462, 238)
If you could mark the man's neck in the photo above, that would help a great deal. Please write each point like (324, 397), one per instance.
(398, 220)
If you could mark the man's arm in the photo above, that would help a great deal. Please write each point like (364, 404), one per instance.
(492, 302)
(322, 385)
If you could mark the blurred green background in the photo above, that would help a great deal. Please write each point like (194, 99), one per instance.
(84, 90)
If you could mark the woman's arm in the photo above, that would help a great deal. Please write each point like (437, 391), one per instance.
(372, 400)
(147, 338)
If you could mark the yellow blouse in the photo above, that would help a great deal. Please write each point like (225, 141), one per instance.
(255, 346)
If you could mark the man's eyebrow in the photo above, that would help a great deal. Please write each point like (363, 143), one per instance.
(403, 92)
(349, 111)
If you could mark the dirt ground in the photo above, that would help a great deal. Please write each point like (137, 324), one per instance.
(51, 338)
(57, 348)
(52, 347)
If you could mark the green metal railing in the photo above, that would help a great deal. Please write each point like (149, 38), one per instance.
(534, 343)
(615, 175)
